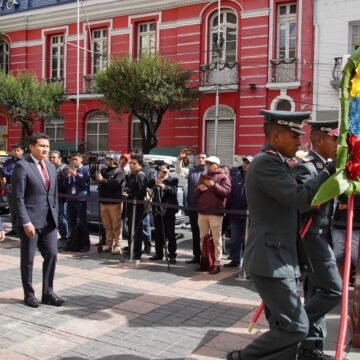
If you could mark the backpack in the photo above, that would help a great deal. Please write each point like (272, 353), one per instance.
(74, 242)
(207, 254)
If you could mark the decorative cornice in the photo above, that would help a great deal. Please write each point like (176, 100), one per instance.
(19, 44)
(67, 13)
(255, 13)
(180, 23)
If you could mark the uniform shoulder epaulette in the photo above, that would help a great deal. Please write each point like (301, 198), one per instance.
(307, 159)
(271, 152)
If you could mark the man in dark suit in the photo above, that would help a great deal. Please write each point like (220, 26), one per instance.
(35, 190)
(322, 286)
(272, 250)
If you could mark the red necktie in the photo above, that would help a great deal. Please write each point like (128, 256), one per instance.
(45, 175)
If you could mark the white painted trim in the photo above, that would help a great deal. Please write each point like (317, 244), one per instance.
(255, 13)
(71, 38)
(180, 23)
(271, 35)
(299, 45)
(19, 44)
(121, 31)
(282, 86)
(85, 96)
(282, 96)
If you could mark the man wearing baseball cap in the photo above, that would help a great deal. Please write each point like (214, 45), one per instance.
(110, 180)
(211, 193)
(272, 256)
(322, 286)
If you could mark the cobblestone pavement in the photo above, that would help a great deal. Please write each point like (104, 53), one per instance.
(127, 310)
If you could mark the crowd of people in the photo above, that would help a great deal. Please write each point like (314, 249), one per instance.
(270, 192)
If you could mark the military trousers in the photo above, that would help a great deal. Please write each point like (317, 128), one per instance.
(287, 320)
(322, 290)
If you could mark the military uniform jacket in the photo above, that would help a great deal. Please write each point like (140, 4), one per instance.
(274, 199)
(317, 241)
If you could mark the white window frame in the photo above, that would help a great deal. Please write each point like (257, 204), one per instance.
(99, 49)
(4, 56)
(225, 26)
(147, 37)
(57, 44)
(286, 20)
(354, 27)
(93, 118)
(135, 122)
(56, 124)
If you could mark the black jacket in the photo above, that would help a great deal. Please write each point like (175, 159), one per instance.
(167, 195)
(135, 185)
(111, 187)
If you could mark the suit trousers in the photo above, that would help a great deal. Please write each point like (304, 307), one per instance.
(287, 319)
(46, 240)
(322, 289)
(165, 230)
(135, 215)
(111, 219)
(212, 223)
(193, 217)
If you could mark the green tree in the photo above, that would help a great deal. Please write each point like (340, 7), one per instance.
(28, 99)
(146, 88)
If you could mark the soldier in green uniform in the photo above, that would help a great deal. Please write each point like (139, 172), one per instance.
(322, 286)
(272, 250)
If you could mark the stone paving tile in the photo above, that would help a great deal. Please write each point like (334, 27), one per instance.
(6, 354)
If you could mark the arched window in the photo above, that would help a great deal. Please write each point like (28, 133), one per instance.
(4, 56)
(225, 134)
(227, 40)
(97, 131)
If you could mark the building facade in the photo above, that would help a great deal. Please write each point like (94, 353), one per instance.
(337, 32)
(245, 55)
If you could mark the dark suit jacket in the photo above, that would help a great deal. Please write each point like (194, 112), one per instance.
(318, 241)
(33, 202)
(274, 199)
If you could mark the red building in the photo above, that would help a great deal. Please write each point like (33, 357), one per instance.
(263, 58)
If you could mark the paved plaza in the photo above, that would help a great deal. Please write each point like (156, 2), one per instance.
(127, 310)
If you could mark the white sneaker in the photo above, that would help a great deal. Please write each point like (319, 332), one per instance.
(116, 250)
(106, 248)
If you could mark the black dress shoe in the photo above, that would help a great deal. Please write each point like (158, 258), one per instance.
(314, 354)
(155, 257)
(84, 249)
(147, 250)
(194, 260)
(234, 355)
(52, 299)
(172, 261)
(231, 264)
(32, 302)
(215, 270)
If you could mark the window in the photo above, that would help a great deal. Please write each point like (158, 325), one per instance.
(224, 134)
(55, 129)
(354, 36)
(4, 57)
(99, 49)
(286, 31)
(56, 57)
(225, 46)
(146, 38)
(97, 131)
(284, 105)
(136, 138)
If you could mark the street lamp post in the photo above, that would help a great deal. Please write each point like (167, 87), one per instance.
(217, 96)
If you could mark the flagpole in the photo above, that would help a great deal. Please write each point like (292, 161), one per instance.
(345, 284)
(77, 79)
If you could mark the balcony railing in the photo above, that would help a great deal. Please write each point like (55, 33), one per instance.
(284, 70)
(336, 73)
(59, 81)
(223, 73)
(89, 84)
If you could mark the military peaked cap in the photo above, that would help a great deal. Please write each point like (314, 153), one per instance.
(324, 126)
(290, 119)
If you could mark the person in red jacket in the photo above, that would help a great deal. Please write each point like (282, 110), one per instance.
(211, 192)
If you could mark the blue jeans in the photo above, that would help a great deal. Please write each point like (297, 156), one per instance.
(237, 237)
(146, 230)
(62, 221)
